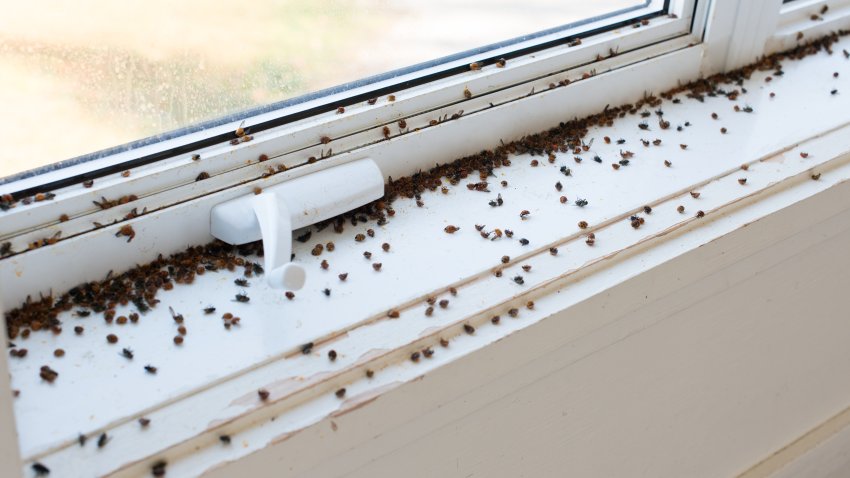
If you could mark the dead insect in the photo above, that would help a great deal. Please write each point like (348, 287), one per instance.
(597, 159)
(386, 132)
(325, 139)
(393, 314)
(667, 163)
(377, 266)
(526, 267)
(647, 210)
(591, 239)
(816, 176)
(833, 92)
(428, 352)
(209, 309)
(500, 63)
(112, 338)
(466, 93)
(566, 171)
(263, 394)
(178, 340)
(700, 214)
(804, 155)
(519, 280)
(523, 241)
(48, 374)
(370, 373)
(582, 224)
(326, 291)
(414, 356)
(558, 186)
(150, 369)
(444, 303)
(505, 259)
(102, 440)
(224, 439)
(126, 230)
(178, 318)
(451, 229)
(307, 348)
(343, 276)
(372, 101)
(643, 125)
(127, 353)
(158, 468)
(332, 355)
(468, 329)
(474, 66)
(289, 294)
(742, 181)
(324, 265)
(495, 320)
(681, 209)
(144, 422)
(242, 297)
(241, 282)
(340, 110)
(694, 194)
(40, 470)
(524, 214)
(496, 202)
(581, 202)
(367, 255)
(429, 311)
(723, 130)
(513, 312)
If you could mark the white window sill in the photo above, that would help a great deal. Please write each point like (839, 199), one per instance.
(202, 389)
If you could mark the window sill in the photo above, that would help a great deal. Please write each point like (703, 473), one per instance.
(423, 261)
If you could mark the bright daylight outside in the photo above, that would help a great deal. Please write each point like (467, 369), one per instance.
(77, 77)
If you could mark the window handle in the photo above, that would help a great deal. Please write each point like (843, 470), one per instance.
(273, 214)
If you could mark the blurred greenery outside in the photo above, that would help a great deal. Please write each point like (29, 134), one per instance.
(86, 75)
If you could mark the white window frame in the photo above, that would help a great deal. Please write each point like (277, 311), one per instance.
(726, 34)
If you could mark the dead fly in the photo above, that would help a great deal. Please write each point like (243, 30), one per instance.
(209, 309)
(150, 369)
(597, 159)
(40, 470)
(524, 214)
(519, 280)
(643, 124)
(496, 202)
(224, 439)
(566, 171)
(523, 241)
(144, 422)
(102, 440)
(128, 354)
(591, 239)
(468, 329)
(327, 292)
(581, 202)
(242, 297)
(241, 282)
(451, 229)
(621, 141)
(126, 230)
(81, 439)
(559, 186)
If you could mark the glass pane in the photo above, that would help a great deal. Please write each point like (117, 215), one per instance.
(77, 77)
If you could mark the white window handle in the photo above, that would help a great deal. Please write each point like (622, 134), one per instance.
(273, 214)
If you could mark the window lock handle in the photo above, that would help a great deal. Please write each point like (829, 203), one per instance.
(275, 212)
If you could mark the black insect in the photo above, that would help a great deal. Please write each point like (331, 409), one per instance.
(621, 141)
(327, 292)
(496, 202)
(128, 354)
(241, 282)
(581, 202)
(40, 470)
(597, 159)
(242, 297)
(209, 309)
(150, 369)
(519, 280)
(102, 440)
(523, 241)
(566, 171)
(225, 439)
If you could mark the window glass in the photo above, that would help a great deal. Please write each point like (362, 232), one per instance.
(77, 77)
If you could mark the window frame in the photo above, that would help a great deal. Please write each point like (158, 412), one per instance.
(709, 48)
